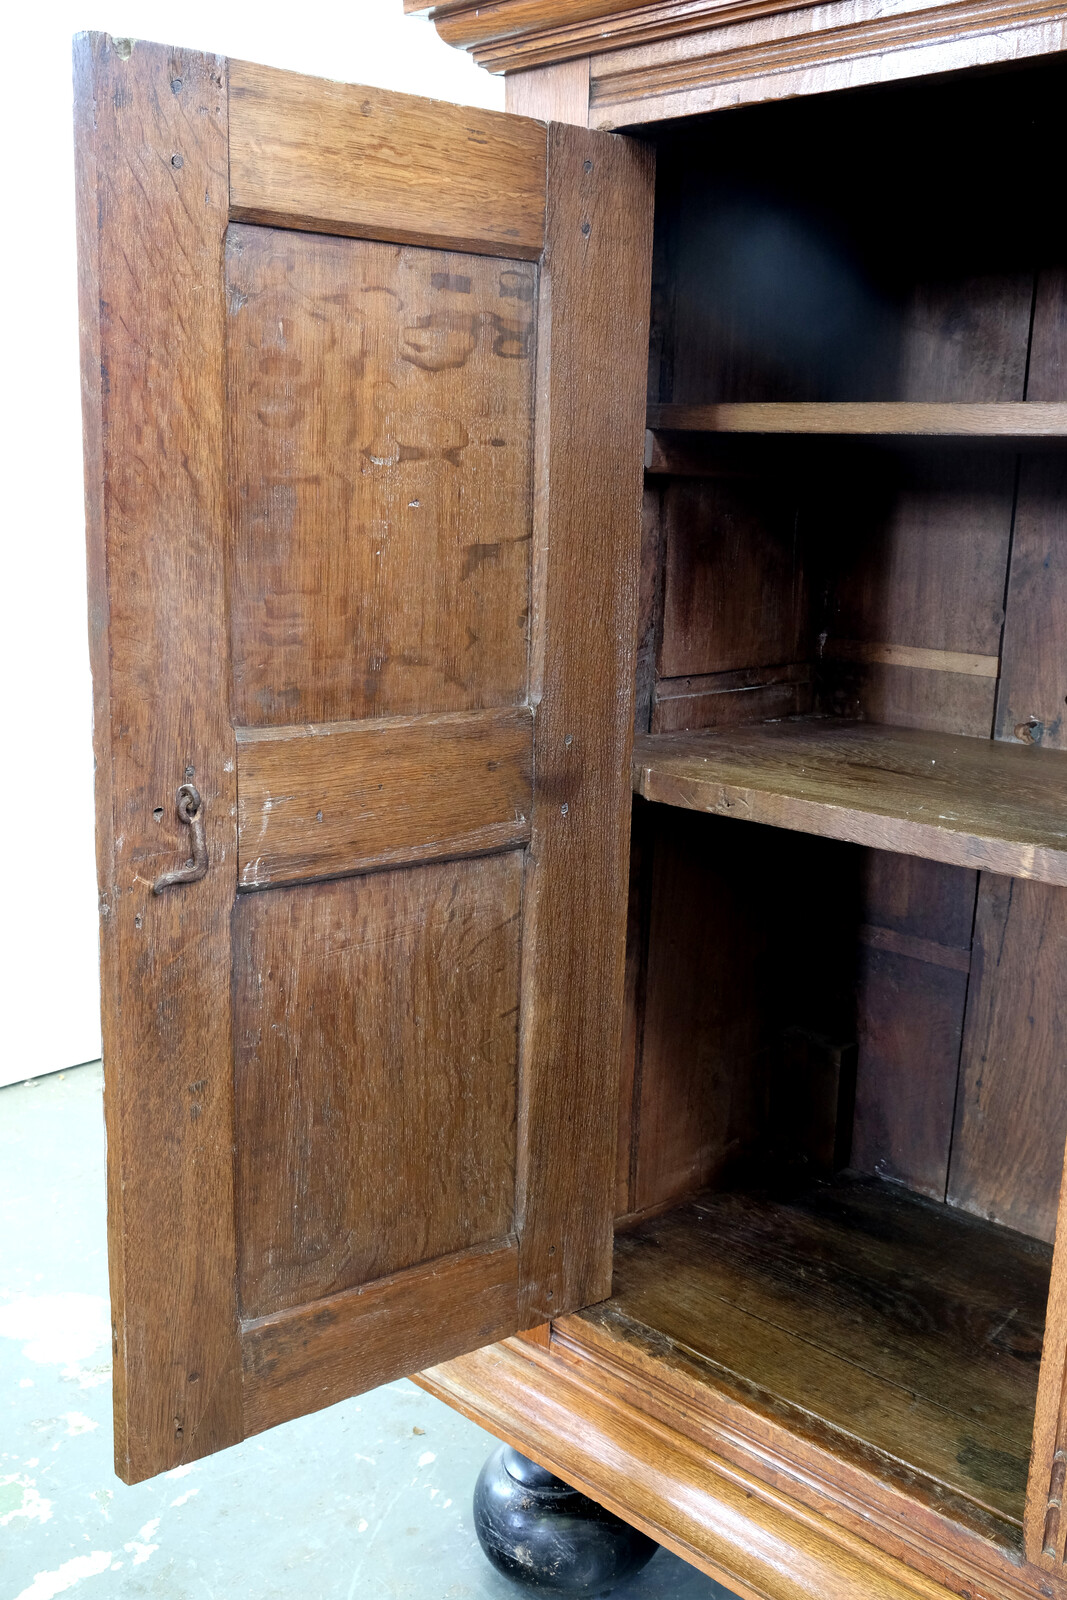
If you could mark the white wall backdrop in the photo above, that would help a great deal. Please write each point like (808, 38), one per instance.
(48, 963)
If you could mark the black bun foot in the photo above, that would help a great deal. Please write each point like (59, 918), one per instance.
(543, 1534)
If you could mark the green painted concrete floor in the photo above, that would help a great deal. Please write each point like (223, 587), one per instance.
(368, 1499)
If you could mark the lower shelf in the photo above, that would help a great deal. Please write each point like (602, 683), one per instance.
(909, 1331)
(968, 802)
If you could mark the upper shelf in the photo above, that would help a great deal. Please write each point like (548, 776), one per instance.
(969, 802)
(1028, 419)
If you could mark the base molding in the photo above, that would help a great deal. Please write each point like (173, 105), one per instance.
(670, 1480)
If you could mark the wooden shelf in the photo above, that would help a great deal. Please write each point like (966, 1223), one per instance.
(969, 802)
(1028, 419)
(907, 1331)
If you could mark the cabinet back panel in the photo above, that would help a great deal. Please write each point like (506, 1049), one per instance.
(880, 245)
(892, 244)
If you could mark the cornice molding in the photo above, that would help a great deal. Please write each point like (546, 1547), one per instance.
(513, 35)
(839, 42)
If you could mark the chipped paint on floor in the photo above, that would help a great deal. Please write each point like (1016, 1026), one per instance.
(370, 1500)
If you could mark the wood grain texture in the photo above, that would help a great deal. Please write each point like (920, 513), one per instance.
(642, 53)
(908, 944)
(152, 216)
(376, 1028)
(642, 835)
(1046, 377)
(429, 172)
(844, 44)
(918, 656)
(343, 797)
(1032, 678)
(299, 1361)
(728, 990)
(382, 434)
(1032, 702)
(559, 93)
(1007, 1153)
(653, 1456)
(913, 555)
(940, 702)
(915, 954)
(729, 699)
(591, 366)
(963, 801)
(724, 540)
(910, 1006)
(1030, 706)
(710, 1013)
(510, 35)
(1006, 420)
(649, 605)
(863, 1307)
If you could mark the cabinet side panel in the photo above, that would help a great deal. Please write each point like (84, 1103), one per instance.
(592, 356)
(153, 204)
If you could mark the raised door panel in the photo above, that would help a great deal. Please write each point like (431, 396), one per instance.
(363, 563)
(381, 405)
(355, 1163)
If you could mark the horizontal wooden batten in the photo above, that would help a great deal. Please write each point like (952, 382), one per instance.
(301, 1360)
(1008, 419)
(321, 801)
(342, 158)
(720, 699)
(906, 655)
(909, 944)
(967, 802)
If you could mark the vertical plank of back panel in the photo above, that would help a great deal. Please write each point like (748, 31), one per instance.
(592, 358)
(1007, 1153)
(915, 955)
(927, 573)
(1029, 1012)
(152, 219)
(1011, 1116)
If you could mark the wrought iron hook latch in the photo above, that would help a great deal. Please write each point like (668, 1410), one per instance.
(191, 812)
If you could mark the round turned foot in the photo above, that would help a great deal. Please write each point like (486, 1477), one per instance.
(542, 1533)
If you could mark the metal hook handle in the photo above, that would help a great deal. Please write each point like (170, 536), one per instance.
(191, 812)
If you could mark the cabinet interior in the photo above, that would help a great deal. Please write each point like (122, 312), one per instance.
(842, 1121)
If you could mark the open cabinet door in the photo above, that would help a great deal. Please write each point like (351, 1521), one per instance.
(364, 395)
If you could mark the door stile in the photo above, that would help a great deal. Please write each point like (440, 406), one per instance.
(1044, 1522)
(153, 211)
(594, 300)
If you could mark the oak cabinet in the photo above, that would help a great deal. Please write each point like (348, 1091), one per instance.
(603, 947)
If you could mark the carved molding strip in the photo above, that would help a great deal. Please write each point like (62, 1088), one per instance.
(513, 35)
(871, 36)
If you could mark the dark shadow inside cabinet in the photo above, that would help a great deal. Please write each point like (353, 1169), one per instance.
(843, 1113)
